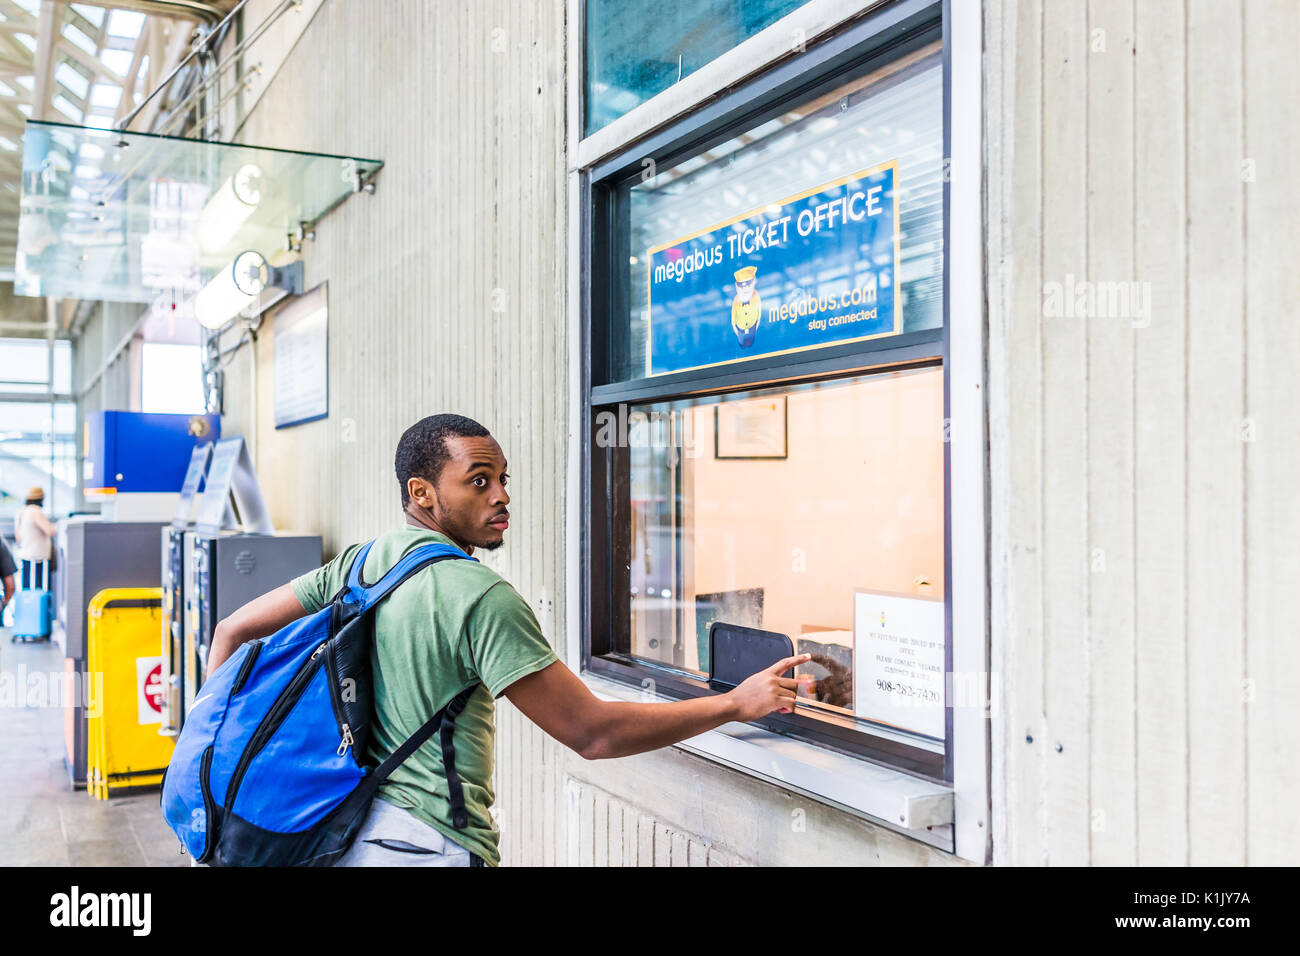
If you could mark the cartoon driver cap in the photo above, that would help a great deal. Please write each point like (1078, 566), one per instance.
(746, 274)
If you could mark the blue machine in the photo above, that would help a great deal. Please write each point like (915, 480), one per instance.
(131, 452)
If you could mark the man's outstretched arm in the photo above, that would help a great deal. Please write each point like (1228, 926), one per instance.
(562, 705)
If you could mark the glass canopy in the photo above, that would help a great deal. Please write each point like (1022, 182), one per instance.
(128, 217)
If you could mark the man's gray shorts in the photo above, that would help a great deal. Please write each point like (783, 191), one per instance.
(391, 836)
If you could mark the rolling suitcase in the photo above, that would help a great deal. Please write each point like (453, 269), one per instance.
(33, 606)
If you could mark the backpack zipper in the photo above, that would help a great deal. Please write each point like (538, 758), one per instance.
(271, 723)
(246, 668)
(209, 817)
(332, 674)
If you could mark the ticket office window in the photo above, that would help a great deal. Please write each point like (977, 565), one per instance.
(765, 423)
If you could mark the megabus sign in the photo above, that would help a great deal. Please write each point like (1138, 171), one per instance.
(815, 269)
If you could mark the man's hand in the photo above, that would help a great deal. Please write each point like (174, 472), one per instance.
(768, 691)
(556, 700)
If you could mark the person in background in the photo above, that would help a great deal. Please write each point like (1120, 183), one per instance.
(7, 569)
(33, 533)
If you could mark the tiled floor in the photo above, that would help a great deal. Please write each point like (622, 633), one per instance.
(43, 821)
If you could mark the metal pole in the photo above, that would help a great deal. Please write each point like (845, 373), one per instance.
(181, 65)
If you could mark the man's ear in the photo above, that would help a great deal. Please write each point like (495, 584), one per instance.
(422, 492)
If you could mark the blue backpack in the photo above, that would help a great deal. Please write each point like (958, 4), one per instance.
(268, 768)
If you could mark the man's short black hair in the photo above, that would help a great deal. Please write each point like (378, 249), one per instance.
(422, 449)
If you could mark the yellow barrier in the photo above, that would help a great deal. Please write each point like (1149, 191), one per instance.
(125, 749)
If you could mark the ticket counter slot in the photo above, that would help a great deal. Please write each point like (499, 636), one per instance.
(736, 652)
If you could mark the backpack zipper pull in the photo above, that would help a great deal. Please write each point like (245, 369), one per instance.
(345, 743)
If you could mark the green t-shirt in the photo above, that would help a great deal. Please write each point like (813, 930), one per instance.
(455, 624)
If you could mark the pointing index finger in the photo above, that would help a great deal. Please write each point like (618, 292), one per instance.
(788, 662)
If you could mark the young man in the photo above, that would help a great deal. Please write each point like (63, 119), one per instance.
(458, 624)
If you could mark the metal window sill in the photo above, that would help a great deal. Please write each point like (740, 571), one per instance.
(910, 805)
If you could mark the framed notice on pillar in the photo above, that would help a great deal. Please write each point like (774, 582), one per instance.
(301, 368)
(898, 661)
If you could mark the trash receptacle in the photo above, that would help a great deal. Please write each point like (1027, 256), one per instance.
(124, 669)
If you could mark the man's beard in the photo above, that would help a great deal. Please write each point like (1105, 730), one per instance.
(493, 546)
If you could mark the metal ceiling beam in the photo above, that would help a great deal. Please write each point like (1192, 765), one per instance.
(127, 102)
(43, 68)
(159, 61)
(176, 9)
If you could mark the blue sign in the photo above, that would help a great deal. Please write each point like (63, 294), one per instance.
(812, 270)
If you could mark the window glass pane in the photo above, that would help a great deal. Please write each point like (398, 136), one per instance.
(815, 511)
(37, 447)
(790, 198)
(637, 48)
(24, 365)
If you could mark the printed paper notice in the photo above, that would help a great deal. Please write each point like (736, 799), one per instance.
(898, 667)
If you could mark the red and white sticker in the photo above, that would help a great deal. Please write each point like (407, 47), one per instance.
(149, 689)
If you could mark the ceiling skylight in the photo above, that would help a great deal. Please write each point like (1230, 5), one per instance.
(72, 79)
(74, 35)
(125, 23)
(105, 96)
(119, 61)
(94, 14)
(67, 108)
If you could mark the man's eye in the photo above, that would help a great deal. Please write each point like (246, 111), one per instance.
(480, 481)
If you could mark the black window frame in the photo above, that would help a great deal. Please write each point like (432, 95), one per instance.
(876, 38)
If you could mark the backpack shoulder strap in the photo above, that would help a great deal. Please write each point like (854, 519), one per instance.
(368, 595)
(444, 723)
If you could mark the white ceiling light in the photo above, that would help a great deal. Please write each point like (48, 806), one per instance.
(231, 290)
(229, 208)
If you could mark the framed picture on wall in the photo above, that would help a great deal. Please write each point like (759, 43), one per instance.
(751, 429)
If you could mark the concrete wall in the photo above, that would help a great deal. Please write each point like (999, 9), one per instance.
(446, 293)
(1144, 515)
(1141, 519)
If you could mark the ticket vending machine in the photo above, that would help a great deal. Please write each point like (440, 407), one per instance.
(173, 633)
(224, 571)
(229, 556)
(173, 588)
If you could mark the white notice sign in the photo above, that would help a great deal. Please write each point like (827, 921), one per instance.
(898, 661)
(302, 360)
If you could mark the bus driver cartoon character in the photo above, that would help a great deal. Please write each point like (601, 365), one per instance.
(746, 308)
